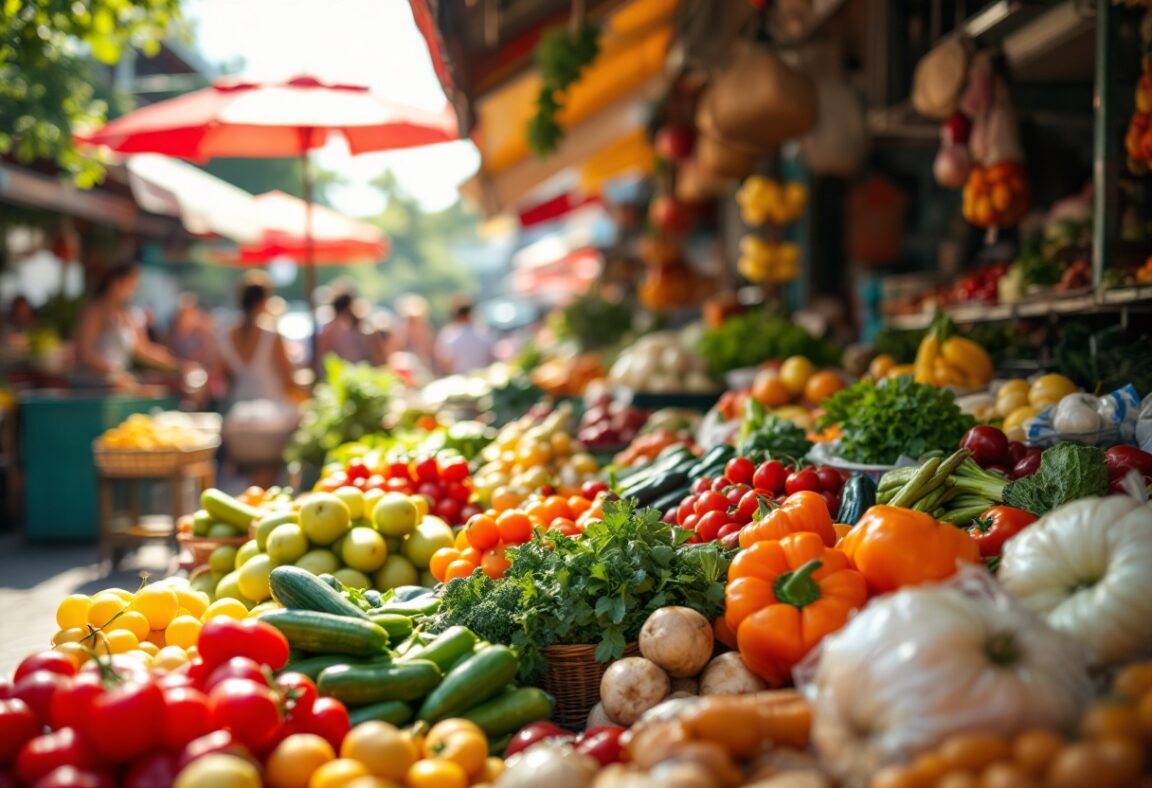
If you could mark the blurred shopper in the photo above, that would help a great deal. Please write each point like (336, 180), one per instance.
(415, 334)
(461, 346)
(191, 336)
(108, 339)
(19, 322)
(343, 335)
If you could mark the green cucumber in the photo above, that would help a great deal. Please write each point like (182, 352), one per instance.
(299, 589)
(394, 712)
(397, 626)
(473, 681)
(312, 666)
(357, 685)
(716, 456)
(223, 507)
(857, 497)
(497, 746)
(447, 649)
(511, 710)
(424, 605)
(325, 633)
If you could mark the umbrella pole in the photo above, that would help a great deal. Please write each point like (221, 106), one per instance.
(310, 254)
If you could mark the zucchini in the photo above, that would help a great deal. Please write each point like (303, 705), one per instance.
(397, 626)
(511, 710)
(857, 497)
(447, 649)
(357, 685)
(496, 747)
(299, 589)
(312, 666)
(658, 488)
(404, 593)
(423, 605)
(226, 509)
(324, 633)
(717, 455)
(473, 681)
(394, 712)
(671, 500)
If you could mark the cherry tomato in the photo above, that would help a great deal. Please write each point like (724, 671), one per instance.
(989, 446)
(374, 482)
(71, 777)
(532, 733)
(830, 479)
(710, 525)
(5, 689)
(996, 526)
(1119, 459)
(357, 470)
(721, 483)
(454, 470)
(458, 491)
(735, 493)
(222, 638)
(1016, 452)
(740, 470)
(593, 487)
(728, 529)
(50, 661)
(221, 741)
(299, 692)
(448, 510)
(430, 490)
(701, 485)
(70, 704)
(122, 722)
(247, 709)
(711, 502)
(805, 479)
(156, 770)
(691, 521)
(236, 668)
(329, 720)
(187, 717)
(602, 743)
(770, 475)
(426, 469)
(38, 690)
(470, 511)
(747, 508)
(41, 755)
(833, 502)
(18, 724)
(686, 507)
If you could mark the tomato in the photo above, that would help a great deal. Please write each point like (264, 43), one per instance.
(70, 704)
(236, 668)
(44, 753)
(38, 689)
(740, 470)
(426, 469)
(436, 773)
(701, 485)
(156, 770)
(329, 720)
(593, 487)
(686, 507)
(18, 724)
(830, 479)
(602, 743)
(833, 501)
(222, 638)
(454, 470)
(988, 445)
(220, 741)
(299, 692)
(1119, 459)
(50, 661)
(247, 709)
(71, 777)
(711, 502)
(459, 741)
(122, 722)
(771, 475)
(458, 491)
(5, 689)
(448, 510)
(357, 470)
(691, 521)
(798, 481)
(532, 733)
(729, 529)
(997, 525)
(721, 483)
(747, 507)
(187, 716)
(1028, 465)
(710, 525)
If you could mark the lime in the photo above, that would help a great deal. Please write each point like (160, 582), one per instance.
(352, 578)
(319, 562)
(223, 558)
(325, 518)
(395, 515)
(223, 531)
(252, 578)
(229, 586)
(247, 551)
(397, 571)
(287, 543)
(364, 549)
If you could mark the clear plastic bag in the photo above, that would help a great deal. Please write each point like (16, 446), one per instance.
(914, 667)
(1118, 414)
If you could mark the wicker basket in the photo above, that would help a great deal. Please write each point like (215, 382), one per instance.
(150, 462)
(200, 547)
(573, 678)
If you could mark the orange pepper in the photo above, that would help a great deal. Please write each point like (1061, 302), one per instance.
(894, 547)
(784, 596)
(802, 511)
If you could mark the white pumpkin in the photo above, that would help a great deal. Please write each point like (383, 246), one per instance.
(922, 663)
(1087, 568)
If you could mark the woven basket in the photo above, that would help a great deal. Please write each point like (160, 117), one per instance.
(200, 547)
(573, 678)
(150, 462)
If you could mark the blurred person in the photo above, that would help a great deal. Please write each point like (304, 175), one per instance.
(191, 335)
(108, 339)
(252, 351)
(343, 335)
(19, 321)
(461, 346)
(382, 338)
(415, 334)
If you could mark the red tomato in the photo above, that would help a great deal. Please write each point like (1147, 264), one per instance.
(534, 732)
(426, 469)
(38, 690)
(458, 491)
(830, 479)
(18, 724)
(454, 470)
(710, 525)
(156, 770)
(729, 529)
(833, 502)
(735, 493)
(996, 526)
(805, 479)
(593, 487)
(721, 483)
(329, 720)
(357, 470)
(691, 521)
(5, 689)
(711, 502)
(746, 509)
(740, 470)
(71, 777)
(299, 692)
(70, 704)
(222, 638)
(430, 490)
(50, 661)
(41, 755)
(247, 709)
(236, 668)
(701, 485)
(686, 507)
(770, 475)
(448, 510)
(122, 723)
(398, 470)
(187, 716)
(603, 744)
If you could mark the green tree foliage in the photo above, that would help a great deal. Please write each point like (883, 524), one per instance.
(49, 51)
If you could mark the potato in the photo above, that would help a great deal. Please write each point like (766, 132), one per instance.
(631, 686)
(728, 675)
(597, 717)
(689, 685)
(677, 639)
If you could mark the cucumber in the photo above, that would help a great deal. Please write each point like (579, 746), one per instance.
(405, 593)
(397, 626)
(312, 666)
(356, 685)
(299, 589)
(423, 605)
(325, 633)
(511, 710)
(717, 455)
(473, 681)
(671, 500)
(496, 747)
(671, 480)
(223, 507)
(857, 497)
(447, 649)
(394, 712)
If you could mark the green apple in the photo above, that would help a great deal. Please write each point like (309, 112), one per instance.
(397, 571)
(252, 578)
(371, 498)
(229, 586)
(247, 551)
(429, 536)
(354, 499)
(352, 578)
(201, 522)
(287, 543)
(207, 582)
(395, 514)
(266, 524)
(223, 558)
(324, 518)
(364, 549)
(319, 562)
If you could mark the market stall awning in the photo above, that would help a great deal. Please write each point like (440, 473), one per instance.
(559, 280)
(336, 238)
(205, 204)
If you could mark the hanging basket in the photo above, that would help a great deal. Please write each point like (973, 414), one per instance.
(573, 678)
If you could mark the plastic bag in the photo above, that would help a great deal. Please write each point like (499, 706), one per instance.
(914, 667)
(1118, 414)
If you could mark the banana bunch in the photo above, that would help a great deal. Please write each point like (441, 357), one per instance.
(139, 431)
(945, 359)
(762, 260)
(765, 200)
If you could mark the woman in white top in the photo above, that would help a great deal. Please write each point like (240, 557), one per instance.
(253, 353)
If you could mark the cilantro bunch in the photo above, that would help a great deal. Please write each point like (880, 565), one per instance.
(597, 589)
(880, 421)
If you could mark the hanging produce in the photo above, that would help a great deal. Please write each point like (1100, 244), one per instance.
(774, 262)
(953, 161)
(1138, 139)
(765, 200)
(561, 58)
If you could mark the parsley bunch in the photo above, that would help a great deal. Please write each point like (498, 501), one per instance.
(561, 56)
(880, 421)
(597, 589)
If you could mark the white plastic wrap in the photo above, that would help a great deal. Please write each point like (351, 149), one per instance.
(914, 667)
(1119, 415)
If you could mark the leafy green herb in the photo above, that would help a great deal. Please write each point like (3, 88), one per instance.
(881, 421)
(1108, 359)
(596, 589)
(764, 434)
(594, 322)
(1067, 471)
(749, 339)
(561, 57)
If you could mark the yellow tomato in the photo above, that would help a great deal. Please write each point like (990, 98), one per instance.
(149, 648)
(73, 611)
(195, 602)
(493, 768)
(104, 607)
(436, 773)
(182, 632)
(158, 603)
(337, 773)
(219, 771)
(131, 620)
(296, 759)
(170, 658)
(123, 593)
(232, 608)
(78, 652)
(73, 635)
(1014, 422)
(371, 781)
(459, 741)
(121, 641)
(384, 750)
(1050, 389)
(795, 372)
